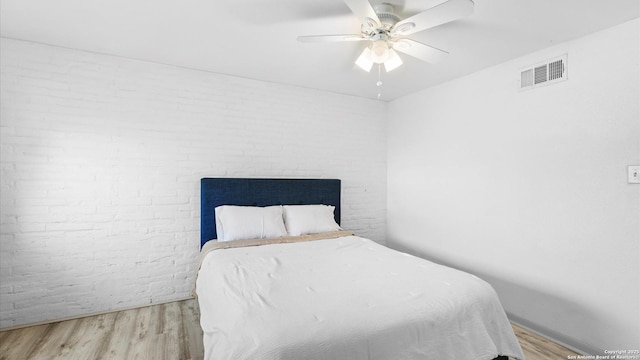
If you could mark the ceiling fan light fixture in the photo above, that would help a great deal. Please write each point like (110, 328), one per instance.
(380, 51)
(393, 62)
(364, 61)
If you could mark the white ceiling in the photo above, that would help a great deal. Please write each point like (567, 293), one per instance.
(257, 38)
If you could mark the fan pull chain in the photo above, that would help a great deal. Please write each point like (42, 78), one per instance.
(379, 83)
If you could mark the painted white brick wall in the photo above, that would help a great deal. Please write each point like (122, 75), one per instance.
(101, 159)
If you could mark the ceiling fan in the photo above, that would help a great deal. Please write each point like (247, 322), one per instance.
(386, 32)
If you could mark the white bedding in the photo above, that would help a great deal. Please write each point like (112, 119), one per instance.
(347, 298)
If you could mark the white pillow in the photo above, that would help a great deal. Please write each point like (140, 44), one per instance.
(249, 222)
(309, 219)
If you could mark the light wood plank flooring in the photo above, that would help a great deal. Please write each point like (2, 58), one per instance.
(166, 331)
(537, 347)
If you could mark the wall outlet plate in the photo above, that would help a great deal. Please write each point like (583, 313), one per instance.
(634, 174)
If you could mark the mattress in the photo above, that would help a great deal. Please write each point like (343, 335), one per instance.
(345, 298)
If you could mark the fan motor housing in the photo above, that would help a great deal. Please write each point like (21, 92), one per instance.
(386, 15)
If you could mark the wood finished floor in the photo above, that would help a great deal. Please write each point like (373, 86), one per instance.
(166, 331)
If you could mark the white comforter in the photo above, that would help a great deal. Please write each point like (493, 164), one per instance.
(347, 298)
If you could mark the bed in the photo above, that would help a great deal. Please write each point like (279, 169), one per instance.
(329, 295)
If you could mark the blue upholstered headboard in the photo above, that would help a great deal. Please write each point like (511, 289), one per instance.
(262, 192)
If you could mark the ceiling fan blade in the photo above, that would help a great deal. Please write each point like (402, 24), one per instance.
(419, 50)
(330, 38)
(437, 15)
(363, 10)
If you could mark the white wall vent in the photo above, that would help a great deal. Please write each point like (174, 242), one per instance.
(544, 73)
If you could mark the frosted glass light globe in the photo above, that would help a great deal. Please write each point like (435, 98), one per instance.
(379, 51)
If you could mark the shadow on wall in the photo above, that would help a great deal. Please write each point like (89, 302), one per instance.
(512, 294)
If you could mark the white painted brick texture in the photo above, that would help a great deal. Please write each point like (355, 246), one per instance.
(101, 159)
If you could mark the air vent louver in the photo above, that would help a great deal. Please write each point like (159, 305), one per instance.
(526, 78)
(556, 69)
(547, 72)
(541, 74)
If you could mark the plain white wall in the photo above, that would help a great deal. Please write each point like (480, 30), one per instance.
(529, 188)
(101, 163)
